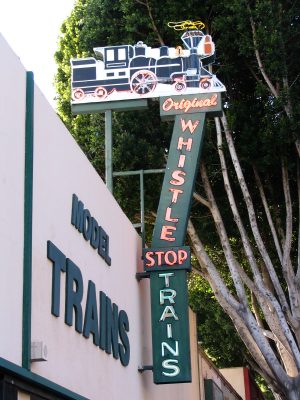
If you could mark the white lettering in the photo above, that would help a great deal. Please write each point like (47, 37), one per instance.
(169, 331)
(167, 364)
(167, 294)
(168, 312)
(166, 275)
(174, 352)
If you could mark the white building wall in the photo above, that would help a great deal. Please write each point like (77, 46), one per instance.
(12, 146)
(61, 169)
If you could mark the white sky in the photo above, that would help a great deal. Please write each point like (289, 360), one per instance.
(31, 28)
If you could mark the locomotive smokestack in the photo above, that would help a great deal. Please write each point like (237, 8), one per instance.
(191, 39)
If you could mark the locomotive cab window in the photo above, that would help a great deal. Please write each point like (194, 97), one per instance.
(121, 54)
(110, 55)
(116, 57)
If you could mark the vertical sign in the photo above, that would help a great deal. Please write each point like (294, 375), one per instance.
(169, 306)
(170, 327)
(178, 184)
(168, 260)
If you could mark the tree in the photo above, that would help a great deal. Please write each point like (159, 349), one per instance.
(246, 203)
(265, 305)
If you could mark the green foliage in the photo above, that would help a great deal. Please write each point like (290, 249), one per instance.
(215, 330)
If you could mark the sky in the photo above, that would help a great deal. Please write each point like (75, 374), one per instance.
(31, 28)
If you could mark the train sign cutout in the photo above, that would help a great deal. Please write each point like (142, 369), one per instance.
(127, 72)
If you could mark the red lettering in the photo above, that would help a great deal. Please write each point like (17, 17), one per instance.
(175, 192)
(213, 100)
(149, 257)
(182, 256)
(186, 105)
(161, 257)
(189, 124)
(168, 215)
(175, 105)
(159, 254)
(181, 161)
(178, 178)
(167, 232)
(181, 143)
(194, 102)
(168, 104)
(167, 257)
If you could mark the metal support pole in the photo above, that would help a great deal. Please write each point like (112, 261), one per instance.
(108, 150)
(141, 173)
(145, 368)
(142, 275)
(142, 206)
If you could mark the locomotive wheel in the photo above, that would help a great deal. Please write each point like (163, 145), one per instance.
(143, 82)
(205, 83)
(179, 86)
(100, 92)
(78, 94)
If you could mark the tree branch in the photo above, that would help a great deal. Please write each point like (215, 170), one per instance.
(233, 206)
(154, 27)
(208, 266)
(201, 200)
(298, 147)
(257, 54)
(255, 76)
(285, 354)
(286, 264)
(252, 217)
(255, 307)
(275, 320)
(231, 261)
(268, 214)
(298, 254)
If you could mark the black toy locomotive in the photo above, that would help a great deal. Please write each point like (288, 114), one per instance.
(140, 70)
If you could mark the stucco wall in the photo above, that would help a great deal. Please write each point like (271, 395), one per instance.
(61, 169)
(12, 146)
(236, 378)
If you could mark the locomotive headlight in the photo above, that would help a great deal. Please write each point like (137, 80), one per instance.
(191, 71)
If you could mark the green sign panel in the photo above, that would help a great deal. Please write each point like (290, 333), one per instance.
(190, 104)
(178, 185)
(170, 258)
(170, 327)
